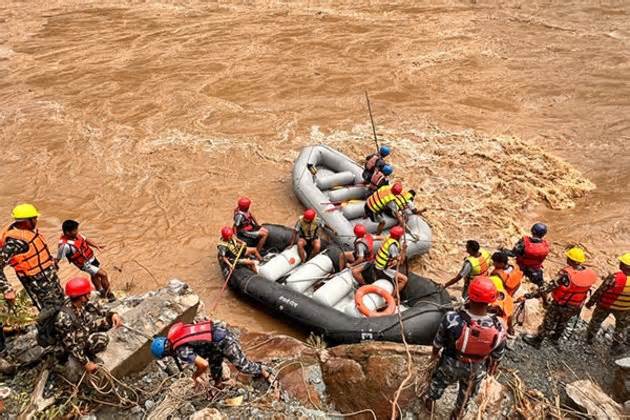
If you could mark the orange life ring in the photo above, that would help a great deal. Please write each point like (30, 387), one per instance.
(370, 288)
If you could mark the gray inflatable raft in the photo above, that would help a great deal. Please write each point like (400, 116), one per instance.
(336, 192)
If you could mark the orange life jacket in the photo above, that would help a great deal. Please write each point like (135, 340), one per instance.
(580, 282)
(368, 241)
(180, 333)
(83, 253)
(534, 253)
(618, 296)
(36, 259)
(511, 280)
(248, 224)
(480, 265)
(380, 199)
(476, 342)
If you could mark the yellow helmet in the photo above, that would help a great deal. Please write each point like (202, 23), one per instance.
(576, 254)
(24, 211)
(625, 258)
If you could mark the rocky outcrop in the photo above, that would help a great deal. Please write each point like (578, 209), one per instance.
(621, 384)
(149, 314)
(591, 399)
(367, 375)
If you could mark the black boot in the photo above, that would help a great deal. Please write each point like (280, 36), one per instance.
(589, 339)
(534, 340)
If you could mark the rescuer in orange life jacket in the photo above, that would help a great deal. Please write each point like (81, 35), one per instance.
(476, 264)
(530, 253)
(568, 291)
(363, 248)
(77, 249)
(205, 345)
(246, 226)
(470, 343)
(612, 298)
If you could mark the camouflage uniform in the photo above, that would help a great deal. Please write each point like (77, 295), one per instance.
(224, 345)
(451, 370)
(81, 331)
(622, 318)
(43, 288)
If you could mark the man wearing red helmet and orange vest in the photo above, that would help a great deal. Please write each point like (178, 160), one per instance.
(363, 248)
(612, 298)
(246, 226)
(476, 264)
(232, 251)
(384, 266)
(24, 248)
(569, 291)
(383, 202)
(81, 326)
(469, 343)
(307, 228)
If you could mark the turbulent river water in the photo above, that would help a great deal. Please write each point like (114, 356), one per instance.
(147, 120)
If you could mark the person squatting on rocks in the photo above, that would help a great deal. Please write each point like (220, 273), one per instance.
(569, 291)
(531, 252)
(205, 345)
(477, 263)
(388, 257)
(246, 226)
(469, 343)
(81, 326)
(383, 202)
(229, 248)
(307, 227)
(374, 162)
(77, 249)
(612, 298)
(24, 248)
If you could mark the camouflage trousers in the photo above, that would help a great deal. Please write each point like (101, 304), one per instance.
(449, 371)
(95, 343)
(44, 289)
(622, 321)
(229, 348)
(556, 319)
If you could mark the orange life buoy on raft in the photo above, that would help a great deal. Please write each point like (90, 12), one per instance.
(364, 290)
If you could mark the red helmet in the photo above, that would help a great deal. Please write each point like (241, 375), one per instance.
(397, 188)
(482, 290)
(244, 203)
(396, 232)
(360, 231)
(309, 215)
(78, 286)
(226, 233)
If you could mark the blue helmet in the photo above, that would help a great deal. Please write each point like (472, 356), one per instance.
(384, 151)
(539, 230)
(158, 347)
(387, 170)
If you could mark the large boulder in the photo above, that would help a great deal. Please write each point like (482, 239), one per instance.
(593, 401)
(151, 314)
(367, 375)
(621, 384)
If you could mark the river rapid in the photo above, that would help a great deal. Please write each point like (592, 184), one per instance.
(146, 121)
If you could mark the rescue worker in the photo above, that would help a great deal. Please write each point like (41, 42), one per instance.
(205, 345)
(477, 263)
(230, 248)
(307, 228)
(503, 307)
(363, 248)
(530, 253)
(404, 203)
(469, 343)
(612, 298)
(77, 249)
(246, 226)
(81, 326)
(374, 162)
(510, 277)
(568, 292)
(383, 202)
(387, 259)
(380, 177)
(24, 248)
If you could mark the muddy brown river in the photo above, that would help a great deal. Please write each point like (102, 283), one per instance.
(146, 121)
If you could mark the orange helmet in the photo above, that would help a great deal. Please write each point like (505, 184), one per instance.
(482, 290)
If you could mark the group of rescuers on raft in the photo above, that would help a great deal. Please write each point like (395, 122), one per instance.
(469, 343)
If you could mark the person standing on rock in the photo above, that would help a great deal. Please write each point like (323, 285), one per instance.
(612, 298)
(81, 326)
(469, 344)
(477, 263)
(531, 252)
(374, 162)
(24, 248)
(569, 291)
(77, 249)
(246, 226)
(205, 345)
